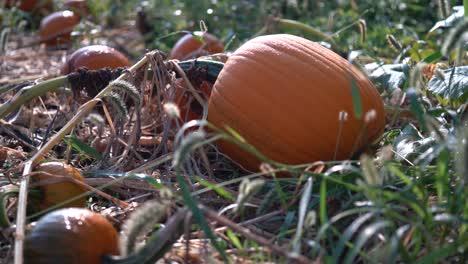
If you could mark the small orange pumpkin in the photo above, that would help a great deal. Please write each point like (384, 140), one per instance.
(71, 235)
(59, 192)
(284, 94)
(189, 47)
(95, 57)
(56, 28)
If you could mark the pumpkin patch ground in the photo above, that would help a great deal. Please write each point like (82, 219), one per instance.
(233, 132)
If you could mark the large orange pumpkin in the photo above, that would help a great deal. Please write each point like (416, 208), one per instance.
(189, 47)
(59, 192)
(56, 28)
(284, 95)
(71, 235)
(95, 57)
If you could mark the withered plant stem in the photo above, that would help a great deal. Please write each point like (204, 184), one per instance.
(27, 93)
(84, 110)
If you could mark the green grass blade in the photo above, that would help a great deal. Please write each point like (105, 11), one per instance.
(433, 57)
(349, 233)
(234, 239)
(303, 205)
(416, 107)
(356, 99)
(396, 245)
(442, 176)
(397, 172)
(82, 147)
(198, 215)
(219, 190)
(364, 236)
(437, 255)
(323, 201)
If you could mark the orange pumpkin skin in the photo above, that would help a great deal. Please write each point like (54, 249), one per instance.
(71, 235)
(56, 28)
(189, 47)
(284, 95)
(58, 192)
(95, 57)
(30, 5)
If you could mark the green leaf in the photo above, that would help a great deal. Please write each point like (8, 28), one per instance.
(451, 20)
(433, 57)
(453, 85)
(219, 190)
(388, 76)
(234, 239)
(82, 147)
(465, 5)
(411, 150)
(416, 107)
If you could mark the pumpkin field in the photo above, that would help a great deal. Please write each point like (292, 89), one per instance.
(222, 131)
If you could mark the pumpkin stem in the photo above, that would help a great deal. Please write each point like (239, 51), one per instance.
(213, 68)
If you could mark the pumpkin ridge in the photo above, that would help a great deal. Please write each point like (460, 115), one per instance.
(312, 50)
(297, 96)
(265, 139)
(313, 132)
(298, 56)
(283, 94)
(297, 124)
(235, 105)
(346, 66)
(323, 53)
(302, 49)
(308, 150)
(297, 93)
(366, 88)
(338, 89)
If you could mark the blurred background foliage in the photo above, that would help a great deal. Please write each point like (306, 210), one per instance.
(237, 21)
(407, 20)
